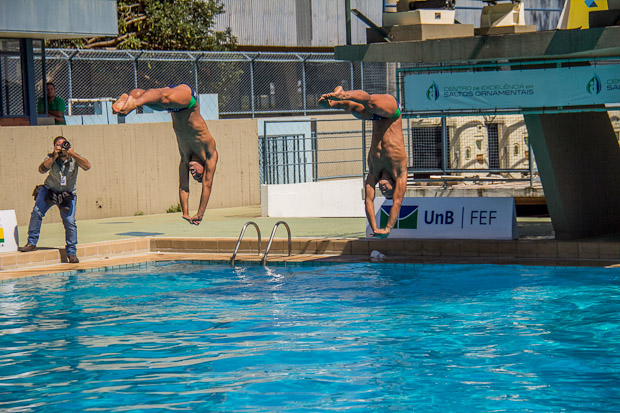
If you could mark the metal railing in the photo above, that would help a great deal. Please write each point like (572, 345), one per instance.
(311, 150)
(86, 103)
(273, 232)
(467, 148)
(232, 259)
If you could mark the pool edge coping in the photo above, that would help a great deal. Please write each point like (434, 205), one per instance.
(137, 250)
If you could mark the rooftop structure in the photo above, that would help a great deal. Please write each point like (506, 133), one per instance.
(24, 25)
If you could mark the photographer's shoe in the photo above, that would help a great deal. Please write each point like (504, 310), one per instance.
(73, 259)
(28, 247)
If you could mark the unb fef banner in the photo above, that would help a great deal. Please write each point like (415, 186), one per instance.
(450, 218)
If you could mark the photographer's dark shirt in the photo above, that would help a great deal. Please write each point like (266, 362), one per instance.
(59, 169)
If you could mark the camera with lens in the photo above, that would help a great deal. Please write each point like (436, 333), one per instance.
(65, 145)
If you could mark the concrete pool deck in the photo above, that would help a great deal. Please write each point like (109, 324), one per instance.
(130, 240)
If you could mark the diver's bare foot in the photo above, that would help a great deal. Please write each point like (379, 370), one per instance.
(124, 105)
(338, 89)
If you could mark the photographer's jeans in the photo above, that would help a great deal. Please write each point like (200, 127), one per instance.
(68, 219)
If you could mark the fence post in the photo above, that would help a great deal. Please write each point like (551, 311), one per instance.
(252, 87)
(70, 74)
(365, 167)
(265, 153)
(4, 87)
(135, 70)
(352, 76)
(43, 76)
(196, 59)
(444, 146)
(529, 161)
(314, 148)
(362, 75)
(303, 83)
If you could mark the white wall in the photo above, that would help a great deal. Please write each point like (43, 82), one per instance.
(325, 199)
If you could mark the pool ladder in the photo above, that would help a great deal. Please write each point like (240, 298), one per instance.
(273, 232)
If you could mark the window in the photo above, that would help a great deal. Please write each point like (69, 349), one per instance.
(493, 142)
(426, 147)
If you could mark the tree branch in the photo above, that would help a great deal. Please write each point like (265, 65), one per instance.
(108, 43)
(135, 19)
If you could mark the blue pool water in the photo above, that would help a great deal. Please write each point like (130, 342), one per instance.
(354, 338)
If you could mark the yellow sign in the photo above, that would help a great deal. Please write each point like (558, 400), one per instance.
(575, 14)
(1, 234)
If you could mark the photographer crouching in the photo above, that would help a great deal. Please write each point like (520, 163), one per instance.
(58, 189)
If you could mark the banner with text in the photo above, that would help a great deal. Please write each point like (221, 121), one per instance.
(450, 218)
(574, 86)
(9, 240)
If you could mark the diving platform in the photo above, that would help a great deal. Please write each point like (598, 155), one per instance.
(576, 149)
(556, 44)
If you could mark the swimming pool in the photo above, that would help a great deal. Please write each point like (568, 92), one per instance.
(355, 337)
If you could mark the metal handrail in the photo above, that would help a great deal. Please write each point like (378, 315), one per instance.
(273, 232)
(232, 259)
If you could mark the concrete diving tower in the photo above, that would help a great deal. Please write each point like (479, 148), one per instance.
(576, 151)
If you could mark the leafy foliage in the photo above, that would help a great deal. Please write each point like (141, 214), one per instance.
(174, 208)
(162, 25)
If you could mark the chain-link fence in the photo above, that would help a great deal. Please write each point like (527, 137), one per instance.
(11, 89)
(247, 84)
(270, 84)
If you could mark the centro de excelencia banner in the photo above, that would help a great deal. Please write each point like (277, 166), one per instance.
(574, 86)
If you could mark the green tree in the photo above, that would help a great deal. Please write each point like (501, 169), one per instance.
(162, 25)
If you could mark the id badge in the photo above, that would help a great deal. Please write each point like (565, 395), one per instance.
(63, 180)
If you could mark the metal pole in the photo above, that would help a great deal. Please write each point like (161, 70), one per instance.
(71, 74)
(364, 147)
(43, 76)
(196, 74)
(444, 146)
(265, 153)
(252, 87)
(3, 63)
(135, 70)
(352, 75)
(27, 66)
(303, 84)
(347, 13)
(362, 75)
(529, 161)
(314, 150)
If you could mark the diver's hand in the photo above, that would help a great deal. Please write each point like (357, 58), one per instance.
(380, 233)
(324, 102)
(196, 219)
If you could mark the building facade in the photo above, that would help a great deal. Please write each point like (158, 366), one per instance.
(320, 24)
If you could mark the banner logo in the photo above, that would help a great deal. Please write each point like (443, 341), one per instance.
(1, 235)
(432, 93)
(594, 86)
(407, 217)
